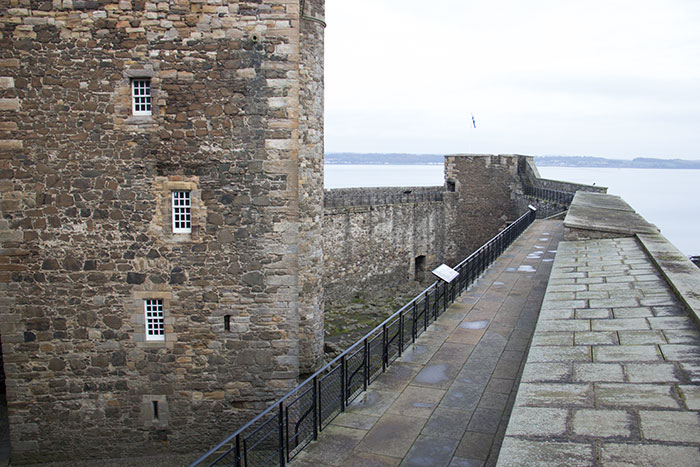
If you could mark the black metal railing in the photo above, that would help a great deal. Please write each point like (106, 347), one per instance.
(547, 194)
(280, 432)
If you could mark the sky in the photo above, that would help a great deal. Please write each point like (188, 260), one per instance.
(606, 78)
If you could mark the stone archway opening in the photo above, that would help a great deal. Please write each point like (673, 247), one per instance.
(420, 268)
(4, 421)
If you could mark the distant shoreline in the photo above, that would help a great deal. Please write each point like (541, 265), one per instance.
(540, 161)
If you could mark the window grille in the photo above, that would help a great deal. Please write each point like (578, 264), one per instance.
(155, 320)
(141, 96)
(182, 212)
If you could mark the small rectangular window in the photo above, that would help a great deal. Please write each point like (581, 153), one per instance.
(155, 320)
(182, 212)
(141, 96)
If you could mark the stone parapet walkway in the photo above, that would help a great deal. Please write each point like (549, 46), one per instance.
(613, 374)
(446, 401)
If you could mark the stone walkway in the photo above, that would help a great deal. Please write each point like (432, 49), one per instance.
(613, 374)
(446, 401)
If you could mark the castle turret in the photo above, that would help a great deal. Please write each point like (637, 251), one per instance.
(162, 202)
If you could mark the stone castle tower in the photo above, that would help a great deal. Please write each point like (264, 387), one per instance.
(162, 180)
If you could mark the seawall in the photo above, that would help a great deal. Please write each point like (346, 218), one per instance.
(377, 238)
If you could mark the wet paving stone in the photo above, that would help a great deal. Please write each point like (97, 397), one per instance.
(448, 400)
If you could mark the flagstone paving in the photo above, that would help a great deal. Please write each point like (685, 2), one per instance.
(447, 400)
(613, 376)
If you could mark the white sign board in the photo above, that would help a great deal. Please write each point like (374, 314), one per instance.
(445, 273)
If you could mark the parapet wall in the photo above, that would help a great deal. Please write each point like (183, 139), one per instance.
(342, 197)
(568, 186)
(377, 238)
(395, 236)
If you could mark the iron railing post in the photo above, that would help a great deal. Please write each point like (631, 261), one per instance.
(343, 383)
(401, 322)
(238, 451)
(365, 344)
(317, 410)
(281, 434)
(413, 323)
(385, 350)
(426, 310)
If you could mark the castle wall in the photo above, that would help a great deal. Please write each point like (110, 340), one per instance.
(311, 186)
(485, 200)
(86, 220)
(372, 237)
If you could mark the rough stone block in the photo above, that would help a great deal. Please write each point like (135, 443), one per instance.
(598, 372)
(652, 373)
(564, 325)
(680, 352)
(552, 338)
(517, 453)
(546, 372)
(691, 395)
(538, 421)
(11, 104)
(542, 354)
(641, 337)
(7, 82)
(555, 394)
(671, 426)
(637, 395)
(603, 423)
(11, 145)
(626, 353)
(595, 338)
(631, 324)
(648, 454)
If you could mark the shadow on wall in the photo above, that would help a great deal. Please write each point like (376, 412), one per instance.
(4, 422)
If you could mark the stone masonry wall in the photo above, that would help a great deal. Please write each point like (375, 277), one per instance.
(311, 186)
(85, 229)
(487, 189)
(372, 236)
(372, 248)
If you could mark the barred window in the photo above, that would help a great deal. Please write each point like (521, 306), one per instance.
(155, 320)
(141, 96)
(182, 212)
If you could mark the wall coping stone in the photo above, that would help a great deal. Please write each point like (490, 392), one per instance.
(680, 273)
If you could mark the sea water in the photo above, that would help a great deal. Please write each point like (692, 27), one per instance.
(665, 197)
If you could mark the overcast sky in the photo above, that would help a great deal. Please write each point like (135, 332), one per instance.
(612, 78)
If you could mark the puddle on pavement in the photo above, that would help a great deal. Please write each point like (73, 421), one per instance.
(551, 251)
(526, 268)
(497, 283)
(474, 324)
(539, 247)
(432, 374)
(510, 269)
(543, 239)
(548, 260)
(422, 404)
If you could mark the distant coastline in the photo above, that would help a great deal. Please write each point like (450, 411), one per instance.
(541, 161)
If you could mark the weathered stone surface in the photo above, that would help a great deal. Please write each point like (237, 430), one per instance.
(603, 423)
(641, 356)
(88, 197)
